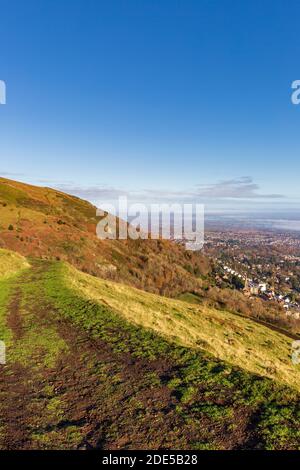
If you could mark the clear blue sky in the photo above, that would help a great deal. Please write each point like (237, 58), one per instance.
(152, 95)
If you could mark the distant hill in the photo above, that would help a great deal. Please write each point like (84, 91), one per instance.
(49, 224)
(42, 222)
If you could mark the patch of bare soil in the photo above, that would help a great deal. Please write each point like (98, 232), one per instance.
(17, 389)
(15, 396)
(96, 398)
(14, 319)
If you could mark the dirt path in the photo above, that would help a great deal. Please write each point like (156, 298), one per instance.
(75, 403)
(62, 389)
(45, 407)
(14, 319)
(16, 389)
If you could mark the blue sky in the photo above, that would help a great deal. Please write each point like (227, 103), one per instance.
(161, 99)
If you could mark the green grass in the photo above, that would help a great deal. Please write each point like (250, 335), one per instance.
(9, 193)
(11, 263)
(5, 292)
(189, 297)
(210, 393)
(229, 337)
(11, 267)
(37, 338)
(279, 425)
(40, 339)
(195, 369)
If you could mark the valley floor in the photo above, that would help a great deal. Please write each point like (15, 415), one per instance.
(79, 377)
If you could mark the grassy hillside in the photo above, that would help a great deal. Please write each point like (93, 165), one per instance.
(95, 363)
(46, 223)
(236, 340)
(83, 373)
(11, 263)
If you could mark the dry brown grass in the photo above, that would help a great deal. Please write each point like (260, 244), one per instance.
(236, 340)
(11, 263)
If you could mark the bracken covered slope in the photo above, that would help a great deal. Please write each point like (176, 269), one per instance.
(46, 223)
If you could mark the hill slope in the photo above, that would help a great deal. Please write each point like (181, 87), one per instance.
(11, 263)
(234, 339)
(42, 222)
(79, 374)
(46, 223)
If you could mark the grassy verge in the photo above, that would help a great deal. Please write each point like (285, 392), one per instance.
(11, 263)
(12, 266)
(37, 343)
(5, 292)
(40, 344)
(207, 390)
(231, 338)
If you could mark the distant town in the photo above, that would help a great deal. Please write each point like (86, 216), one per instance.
(259, 263)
